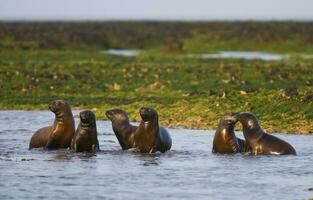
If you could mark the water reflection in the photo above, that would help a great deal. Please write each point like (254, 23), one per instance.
(148, 159)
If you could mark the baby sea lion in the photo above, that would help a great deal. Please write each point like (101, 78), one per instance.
(149, 136)
(260, 141)
(225, 140)
(85, 138)
(60, 134)
(123, 130)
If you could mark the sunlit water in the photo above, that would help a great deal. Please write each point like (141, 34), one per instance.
(188, 171)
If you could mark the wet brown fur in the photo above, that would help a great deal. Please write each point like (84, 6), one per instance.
(225, 140)
(149, 136)
(60, 134)
(85, 138)
(122, 128)
(260, 141)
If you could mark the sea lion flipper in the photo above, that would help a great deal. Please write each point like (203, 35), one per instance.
(243, 146)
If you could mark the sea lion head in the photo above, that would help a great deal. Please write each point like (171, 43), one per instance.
(228, 120)
(87, 117)
(58, 106)
(148, 114)
(225, 140)
(248, 120)
(116, 114)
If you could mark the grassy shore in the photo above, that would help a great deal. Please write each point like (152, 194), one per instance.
(187, 92)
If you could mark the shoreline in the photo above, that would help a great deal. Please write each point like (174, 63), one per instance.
(193, 124)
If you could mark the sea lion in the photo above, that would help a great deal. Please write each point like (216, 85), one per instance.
(60, 134)
(225, 140)
(123, 130)
(149, 136)
(260, 141)
(85, 138)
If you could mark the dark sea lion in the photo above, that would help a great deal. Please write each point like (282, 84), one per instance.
(260, 141)
(123, 130)
(60, 134)
(85, 138)
(149, 136)
(225, 140)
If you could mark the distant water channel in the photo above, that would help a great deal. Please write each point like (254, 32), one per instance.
(122, 52)
(246, 55)
(188, 171)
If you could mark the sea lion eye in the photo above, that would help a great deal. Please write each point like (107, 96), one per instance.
(251, 124)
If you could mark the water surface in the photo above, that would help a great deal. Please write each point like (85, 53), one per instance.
(188, 171)
(122, 52)
(247, 55)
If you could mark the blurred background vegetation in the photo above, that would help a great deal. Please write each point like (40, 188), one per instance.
(163, 36)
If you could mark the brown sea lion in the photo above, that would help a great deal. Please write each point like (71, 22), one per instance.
(60, 134)
(123, 130)
(225, 140)
(149, 136)
(85, 138)
(260, 141)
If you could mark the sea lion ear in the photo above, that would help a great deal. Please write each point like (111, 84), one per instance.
(250, 124)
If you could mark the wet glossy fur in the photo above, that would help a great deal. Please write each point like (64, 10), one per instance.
(122, 128)
(85, 138)
(225, 140)
(149, 136)
(60, 134)
(260, 141)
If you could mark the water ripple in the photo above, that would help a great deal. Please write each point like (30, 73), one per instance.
(188, 171)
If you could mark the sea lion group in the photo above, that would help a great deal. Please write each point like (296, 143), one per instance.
(256, 140)
(149, 136)
(62, 133)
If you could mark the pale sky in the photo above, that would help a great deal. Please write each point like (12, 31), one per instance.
(156, 9)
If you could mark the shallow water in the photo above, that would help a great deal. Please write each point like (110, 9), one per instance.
(247, 55)
(188, 171)
(122, 52)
